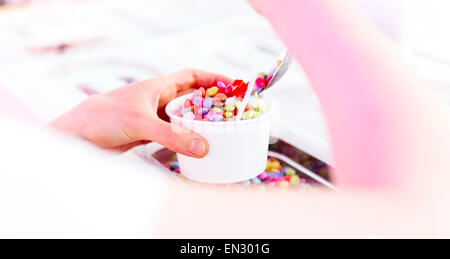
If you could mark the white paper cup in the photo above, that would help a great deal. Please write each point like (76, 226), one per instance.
(237, 149)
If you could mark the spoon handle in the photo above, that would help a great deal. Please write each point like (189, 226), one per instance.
(249, 91)
(277, 72)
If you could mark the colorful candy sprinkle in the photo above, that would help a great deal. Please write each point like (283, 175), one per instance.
(208, 102)
(221, 85)
(212, 91)
(271, 180)
(295, 179)
(225, 100)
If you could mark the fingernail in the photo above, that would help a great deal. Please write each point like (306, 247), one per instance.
(197, 147)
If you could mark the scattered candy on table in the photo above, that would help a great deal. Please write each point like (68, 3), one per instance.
(313, 164)
(274, 176)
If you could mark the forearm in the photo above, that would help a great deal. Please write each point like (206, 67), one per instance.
(381, 118)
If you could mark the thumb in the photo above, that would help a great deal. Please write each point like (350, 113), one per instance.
(178, 139)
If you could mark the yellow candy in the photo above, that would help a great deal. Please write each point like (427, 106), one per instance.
(217, 109)
(249, 115)
(228, 114)
(284, 184)
(212, 91)
(276, 164)
(229, 108)
(273, 165)
(295, 179)
(289, 171)
(261, 74)
(269, 166)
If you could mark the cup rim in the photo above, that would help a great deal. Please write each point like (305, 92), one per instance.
(198, 122)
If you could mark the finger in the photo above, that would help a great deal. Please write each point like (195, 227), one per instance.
(207, 79)
(176, 138)
(194, 78)
(168, 95)
(186, 80)
(165, 99)
(125, 148)
(162, 114)
(184, 92)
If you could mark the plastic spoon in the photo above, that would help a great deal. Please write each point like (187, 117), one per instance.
(282, 65)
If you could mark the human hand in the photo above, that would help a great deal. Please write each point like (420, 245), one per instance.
(128, 116)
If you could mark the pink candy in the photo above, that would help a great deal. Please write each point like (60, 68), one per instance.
(221, 85)
(263, 176)
(210, 115)
(260, 82)
(228, 89)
